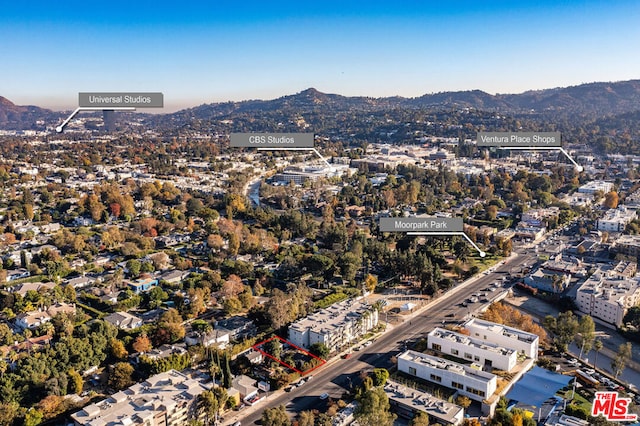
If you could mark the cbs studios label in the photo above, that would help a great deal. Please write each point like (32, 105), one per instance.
(272, 140)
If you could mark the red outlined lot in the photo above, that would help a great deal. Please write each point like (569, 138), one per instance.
(288, 344)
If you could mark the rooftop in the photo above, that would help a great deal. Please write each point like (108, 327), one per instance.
(443, 364)
(469, 341)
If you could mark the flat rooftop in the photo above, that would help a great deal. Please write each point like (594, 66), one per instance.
(423, 401)
(470, 341)
(502, 329)
(445, 365)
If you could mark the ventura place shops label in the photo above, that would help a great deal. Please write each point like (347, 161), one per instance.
(519, 139)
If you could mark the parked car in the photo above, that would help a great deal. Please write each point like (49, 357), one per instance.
(324, 396)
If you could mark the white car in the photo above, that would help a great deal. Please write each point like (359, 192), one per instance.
(573, 361)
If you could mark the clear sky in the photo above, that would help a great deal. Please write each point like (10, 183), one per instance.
(207, 51)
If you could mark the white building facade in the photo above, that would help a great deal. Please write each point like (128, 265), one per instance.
(475, 384)
(504, 336)
(470, 349)
(335, 326)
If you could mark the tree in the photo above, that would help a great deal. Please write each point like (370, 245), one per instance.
(208, 405)
(370, 283)
(597, 346)
(586, 334)
(611, 200)
(319, 349)
(274, 348)
(420, 419)
(306, 418)
(77, 383)
(621, 359)
(463, 401)
(373, 408)
(117, 349)
(33, 417)
(566, 328)
(142, 344)
(380, 376)
(276, 416)
(121, 376)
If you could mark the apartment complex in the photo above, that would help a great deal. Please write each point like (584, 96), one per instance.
(504, 336)
(608, 296)
(468, 381)
(468, 348)
(615, 220)
(335, 326)
(166, 399)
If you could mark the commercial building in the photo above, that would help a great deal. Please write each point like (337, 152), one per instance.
(608, 296)
(335, 326)
(505, 336)
(471, 349)
(408, 402)
(166, 399)
(615, 220)
(468, 381)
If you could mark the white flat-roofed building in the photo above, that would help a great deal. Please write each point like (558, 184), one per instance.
(595, 186)
(165, 399)
(475, 384)
(335, 326)
(505, 336)
(471, 349)
(408, 402)
(608, 296)
(615, 220)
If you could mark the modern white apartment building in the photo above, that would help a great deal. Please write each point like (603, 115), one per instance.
(472, 349)
(615, 220)
(504, 336)
(407, 402)
(608, 296)
(475, 384)
(595, 186)
(335, 326)
(166, 399)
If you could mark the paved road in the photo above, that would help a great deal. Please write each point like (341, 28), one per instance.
(335, 377)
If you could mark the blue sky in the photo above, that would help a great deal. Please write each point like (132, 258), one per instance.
(195, 52)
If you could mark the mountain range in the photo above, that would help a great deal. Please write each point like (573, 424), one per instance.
(587, 101)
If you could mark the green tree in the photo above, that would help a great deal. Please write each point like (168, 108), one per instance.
(33, 417)
(373, 408)
(463, 401)
(420, 419)
(121, 376)
(319, 349)
(77, 383)
(306, 418)
(586, 334)
(208, 406)
(276, 416)
(380, 376)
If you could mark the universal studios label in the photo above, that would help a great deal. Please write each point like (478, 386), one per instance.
(272, 140)
(519, 139)
(121, 99)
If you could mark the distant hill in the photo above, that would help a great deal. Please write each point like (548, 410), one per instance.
(589, 101)
(15, 117)
(586, 102)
